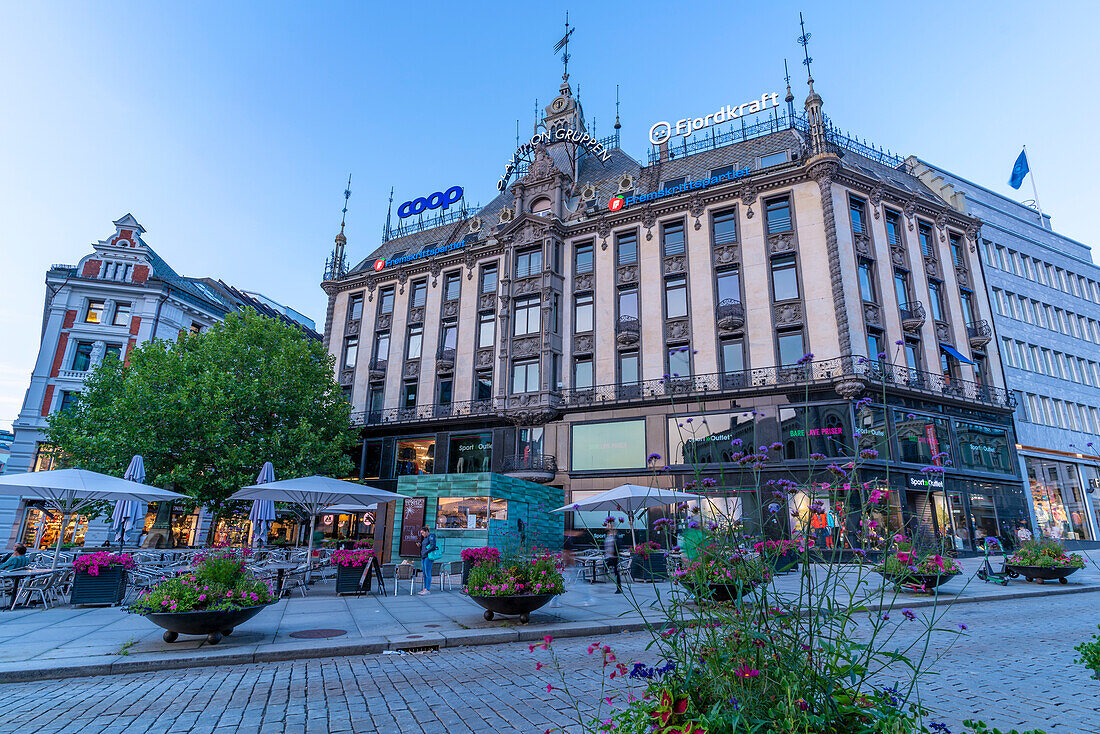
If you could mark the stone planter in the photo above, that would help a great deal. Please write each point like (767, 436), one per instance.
(106, 588)
(512, 605)
(925, 580)
(347, 580)
(653, 567)
(1042, 573)
(467, 566)
(783, 562)
(722, 593)
(214, 625)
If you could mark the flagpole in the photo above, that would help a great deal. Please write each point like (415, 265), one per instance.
(1034, 191)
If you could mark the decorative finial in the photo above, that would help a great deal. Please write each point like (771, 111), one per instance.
(344, 212)
(617, 124)
(535, 127)
(789, 99)
(389, 212)
(517, 132)
(804, 41)
(564, 44)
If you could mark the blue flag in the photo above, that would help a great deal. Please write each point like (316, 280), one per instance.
(1019, 170)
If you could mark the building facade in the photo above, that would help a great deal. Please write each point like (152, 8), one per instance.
(778, 284)
(119, 295)
(1045, 293)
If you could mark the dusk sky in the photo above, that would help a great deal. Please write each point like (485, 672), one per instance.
(229, 129)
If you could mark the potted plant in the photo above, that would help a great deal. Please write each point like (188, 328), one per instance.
(515, 586)
(350, 568)
(473, 556)
(905, 566)
(722, 577)
(647, 562)
(100, 578)
(780, 555)
(1043, 560)
(212, 600)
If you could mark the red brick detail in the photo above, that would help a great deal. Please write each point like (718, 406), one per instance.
(141, 273)
(47, 400)
(135, 324)
(129, 348)
(70, 319)
(62, 342)
(91, 269)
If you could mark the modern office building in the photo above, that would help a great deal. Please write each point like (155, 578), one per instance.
(744, 286)
(1045, 291)
(119, 295)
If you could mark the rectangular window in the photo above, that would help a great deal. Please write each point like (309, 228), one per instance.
(408, 396)
(122, 314)
(912, 355)
(113, 351)
(927, 239)
(82, 357)
(526, 315)
(489, 278)
(724, 227)
(676, 297)
(351, 351)
(452, 286)
(419, 295)
(582, 258)
(582, 372)
(922, 439)
(582, 313)
(733, 355)
(469, 453)
(525, 376)
(672, 238)
(983, 448)
(709, 439)
(729, 285)
(483, 385)
(449, 335)
(355, 307)
(628, 302)
(94, 314)
(1041, 272)
(628, 368)
(382, 346)
(819, 429)
(867, 280)
(528, 263)
(935, 300)
(967, 299)
(415, 456)
(791, 347)
(614, 445)
(555, 313)
(875, 341)
(956, 249)
(557, 257)
(671, 183)
(415, 342)
(446, 391)
(385, 300)
(778, 215)
(773, 159)
(893, 228)
(856, 212)
(486, 329)
(679, 361)
(196, 327)
(901, 286)
(626, 247)
(784, 278)
(68, 399)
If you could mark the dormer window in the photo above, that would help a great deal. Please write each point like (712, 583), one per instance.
(541, 206)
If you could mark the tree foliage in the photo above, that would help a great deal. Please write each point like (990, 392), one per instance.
(206, 411)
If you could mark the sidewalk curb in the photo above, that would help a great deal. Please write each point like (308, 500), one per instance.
(32, 670)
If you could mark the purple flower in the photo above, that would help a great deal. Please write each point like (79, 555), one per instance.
(963, 628)
(653, 457)
(908, 614)
(900, 343)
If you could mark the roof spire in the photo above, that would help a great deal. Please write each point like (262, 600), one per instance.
(804, 41)
(789, 99)
(564, 44)
(389, 211)
(617, 123)
(335, 269)
(344, 211)
(814, 116)
(535, 127)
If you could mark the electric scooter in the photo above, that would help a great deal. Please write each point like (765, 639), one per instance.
(986, 572)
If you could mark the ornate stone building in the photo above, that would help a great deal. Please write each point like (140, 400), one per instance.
(751, 284)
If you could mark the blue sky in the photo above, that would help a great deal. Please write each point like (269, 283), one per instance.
(229, 129)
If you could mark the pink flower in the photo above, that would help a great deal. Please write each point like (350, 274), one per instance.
(745, 671)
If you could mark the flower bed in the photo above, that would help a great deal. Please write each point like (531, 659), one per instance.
(541, 575)
(910, 567)
(92, 563)
(722, 577)
(1045, 554)
(352, 558)
(219, 583)
(473, 556)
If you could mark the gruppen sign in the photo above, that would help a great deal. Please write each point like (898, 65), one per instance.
(663, 130)
(558, 135)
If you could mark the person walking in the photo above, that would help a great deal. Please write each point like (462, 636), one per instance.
(611, 553)
(427, 545)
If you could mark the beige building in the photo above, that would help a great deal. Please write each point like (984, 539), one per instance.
(748, 281)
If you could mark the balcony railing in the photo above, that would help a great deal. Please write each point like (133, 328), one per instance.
(979, 333)
(730, 314)
(912, 315)
(445, 359)
(536, 463)
(628, 330)
(874, 375)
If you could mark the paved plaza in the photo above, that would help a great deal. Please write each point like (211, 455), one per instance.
(1013, 667)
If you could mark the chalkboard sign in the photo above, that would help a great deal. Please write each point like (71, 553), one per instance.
(412, 519)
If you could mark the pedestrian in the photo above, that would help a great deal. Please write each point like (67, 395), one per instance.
(611, 553)
(17, 560)
(427, 546)
(1023, 534)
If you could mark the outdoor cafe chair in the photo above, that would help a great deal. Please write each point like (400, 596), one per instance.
(453, 569)
(296, 579)
(38, 585)
(404, 572)
(389, 571)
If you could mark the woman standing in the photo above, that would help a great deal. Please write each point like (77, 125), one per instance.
(427, 545)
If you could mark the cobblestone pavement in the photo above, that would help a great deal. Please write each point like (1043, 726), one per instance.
(1014, 668)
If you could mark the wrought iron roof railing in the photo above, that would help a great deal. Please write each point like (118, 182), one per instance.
(531, 463)
(421, 223)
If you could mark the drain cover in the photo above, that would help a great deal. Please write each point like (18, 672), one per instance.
(431, 625)
(317, 634)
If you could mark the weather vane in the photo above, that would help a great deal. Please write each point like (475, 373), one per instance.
(564, 44)
(804, 41)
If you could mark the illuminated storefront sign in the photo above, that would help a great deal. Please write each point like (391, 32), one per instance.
(438, 200)
(383, 263)
(558, 135)
(926, 482)
(663, 130)
(618, 202)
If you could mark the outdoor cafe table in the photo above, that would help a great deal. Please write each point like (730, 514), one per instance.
(17, 578)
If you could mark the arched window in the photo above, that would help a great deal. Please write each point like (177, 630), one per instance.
(540, 205)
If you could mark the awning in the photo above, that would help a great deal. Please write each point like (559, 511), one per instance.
(955, 353)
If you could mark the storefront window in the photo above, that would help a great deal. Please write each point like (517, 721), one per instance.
(372, 463)
(609, 445)
(41, 528)
(983, 448)
(469, 513)
(707, 439)
(1058, 498)
(922, 439)
(415, 456)
(1092, 486)
(822, 516)
(873, 430)
(818, 429)
(473, 453)
(928, 520)
(741, 511)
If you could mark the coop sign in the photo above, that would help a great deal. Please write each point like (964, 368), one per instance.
(557, 135)
(438, 200)
(662, 131)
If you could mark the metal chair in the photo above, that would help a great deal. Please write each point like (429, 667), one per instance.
(299, 579)
(404, 572)
(453, 569)
(39, 585)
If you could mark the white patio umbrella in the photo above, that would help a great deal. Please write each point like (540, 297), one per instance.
(629, 499)
(128, 511)
(263, 511)
(68, 491)
(312, 494)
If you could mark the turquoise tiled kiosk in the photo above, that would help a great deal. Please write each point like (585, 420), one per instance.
(457, 508)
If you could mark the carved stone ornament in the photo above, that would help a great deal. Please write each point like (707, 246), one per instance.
(675, 264)
(582, 344)
(450, 308)
(696, 211)
(603, 231)
(486, 301)
(941, 225)
(542, 166)
(372, 283)
(748, 195)
(506, 215)
(962, 274)
(871, 314)
(352, 328)
(627, 274)
(416, 315)
(931, 266)
(384, 321)
(788, 313)
(862, 244)
(536, 416)
(402, 279)
(484, 357)
(727, 255)
(470, 263)
(897, 255)
(583, 282)
(677, 330)
(875, 197)
(475, 225)
(909, 210)
(849, 387)
(943, 332)
(778, 243)
(648, 220)
(527, 346)
(411, 368)
(347, 377)
(824, 171)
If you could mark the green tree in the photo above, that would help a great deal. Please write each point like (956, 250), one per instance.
(208, 410)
